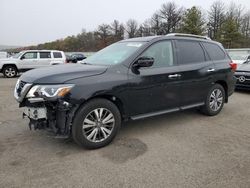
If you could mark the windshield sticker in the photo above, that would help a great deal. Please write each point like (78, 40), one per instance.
(134, 45)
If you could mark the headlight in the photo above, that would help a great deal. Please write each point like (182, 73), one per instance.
(49, 91)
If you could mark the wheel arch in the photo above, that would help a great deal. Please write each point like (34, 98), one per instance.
(13, 65)
(112, 98)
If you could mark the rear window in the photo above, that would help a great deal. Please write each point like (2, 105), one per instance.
(57, 54)
(45, 55)
(214, 51)
(190, 52)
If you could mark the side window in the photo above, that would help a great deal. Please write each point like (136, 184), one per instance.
(45, 55)
(190, 52)
(162, 53)
(57, 54)
(214, 51)
(30, 55)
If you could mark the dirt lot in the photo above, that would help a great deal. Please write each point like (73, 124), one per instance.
(183, 149)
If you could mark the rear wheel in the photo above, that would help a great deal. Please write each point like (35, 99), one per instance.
(96, 124)
(10, 71)
(214, 101)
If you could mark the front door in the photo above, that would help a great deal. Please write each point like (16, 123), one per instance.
(155, 88)
(28, 61)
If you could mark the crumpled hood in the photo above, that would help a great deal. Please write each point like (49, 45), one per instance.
(59, 74)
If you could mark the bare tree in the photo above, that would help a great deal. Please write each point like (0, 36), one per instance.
(156, 24)
(103, 33)
(245, 26)
(147, 30)
(216, 16)
(117, 29)
(235, 12)
(131, 28)
(171, 17)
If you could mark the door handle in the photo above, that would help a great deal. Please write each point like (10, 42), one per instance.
(173, 76)
(211, 70)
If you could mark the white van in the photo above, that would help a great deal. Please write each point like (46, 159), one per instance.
(30, 59)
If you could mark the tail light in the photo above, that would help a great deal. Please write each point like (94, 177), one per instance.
(233, 66)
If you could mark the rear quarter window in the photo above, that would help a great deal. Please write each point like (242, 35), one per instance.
(57, 54)
(214, 51)
(190, 52)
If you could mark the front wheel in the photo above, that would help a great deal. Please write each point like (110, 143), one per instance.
(215, 101)
(10, 71)
(96, 124)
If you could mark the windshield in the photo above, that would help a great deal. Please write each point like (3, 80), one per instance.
(17, 55)
(114, 54)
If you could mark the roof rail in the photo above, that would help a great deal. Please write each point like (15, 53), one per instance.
(188, 35)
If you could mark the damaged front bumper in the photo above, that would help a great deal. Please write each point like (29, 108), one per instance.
(56, 116)
(47, 106)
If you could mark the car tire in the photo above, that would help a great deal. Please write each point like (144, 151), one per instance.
(96, 124)
(10, 71)
(214, 101)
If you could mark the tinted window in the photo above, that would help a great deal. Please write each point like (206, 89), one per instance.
(162, 54)
(57, 54)
(214, 51)
(30, 55)
(190, 52)
(44, 55)
(78, 56)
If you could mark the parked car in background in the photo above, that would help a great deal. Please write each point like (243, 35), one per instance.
(243, 76)
(131, 79)
(30, 59)
(247, 61)
(74, 58)
(239, 56)
(3, 55)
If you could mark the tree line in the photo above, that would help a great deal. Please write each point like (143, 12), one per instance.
(228, 24)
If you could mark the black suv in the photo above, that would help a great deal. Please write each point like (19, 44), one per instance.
(131, 79)
(74, 58)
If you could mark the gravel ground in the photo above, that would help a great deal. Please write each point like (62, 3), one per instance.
(183, 149)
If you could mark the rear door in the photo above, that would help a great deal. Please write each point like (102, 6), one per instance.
(196, 71)
(44, 59)
(223, 71)
(28, 61)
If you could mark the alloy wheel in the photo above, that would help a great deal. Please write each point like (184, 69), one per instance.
(98, 125)
(216, 100)
(10, 72)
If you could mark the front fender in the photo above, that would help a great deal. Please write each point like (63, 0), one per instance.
(9, 62)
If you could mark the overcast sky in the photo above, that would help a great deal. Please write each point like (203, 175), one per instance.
(27, 22)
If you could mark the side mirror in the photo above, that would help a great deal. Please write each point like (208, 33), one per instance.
(144, 62)
(22, 58)
(248, 59)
